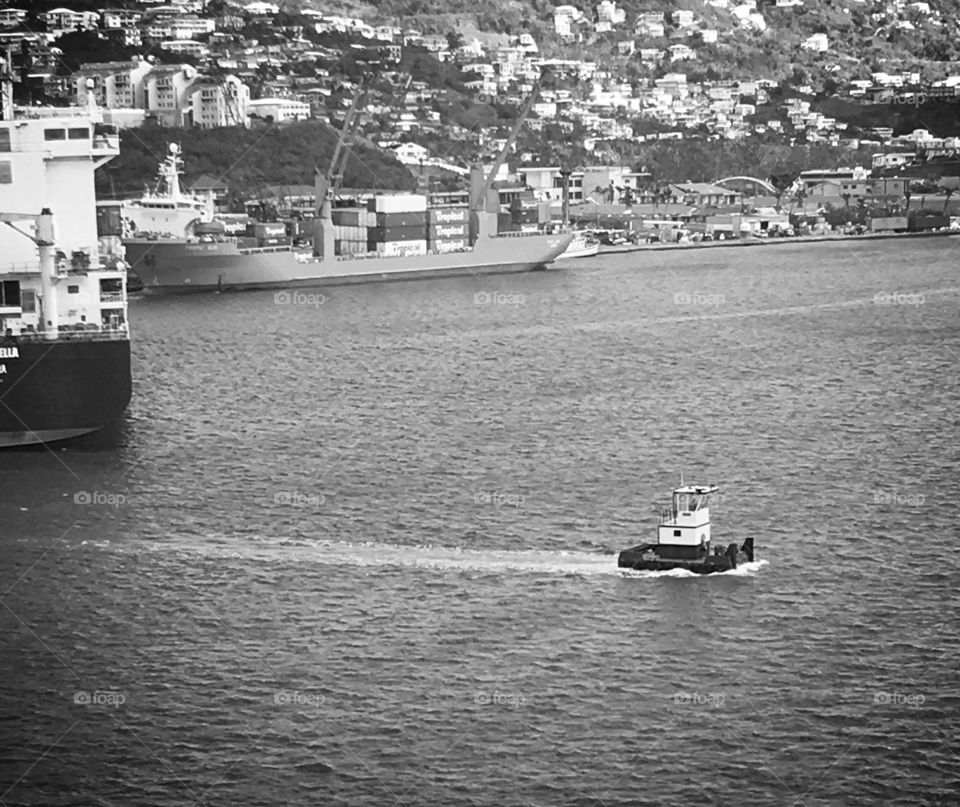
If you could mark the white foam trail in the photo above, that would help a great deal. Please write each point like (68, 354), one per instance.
(459, 559)
(441, 558)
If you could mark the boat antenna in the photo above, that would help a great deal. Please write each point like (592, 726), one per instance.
(681, 477)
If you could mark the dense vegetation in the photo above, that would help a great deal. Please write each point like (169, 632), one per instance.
(248, 159)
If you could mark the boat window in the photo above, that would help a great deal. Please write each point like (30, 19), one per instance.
(28, 299)
(73, 289)
(4, 139)
(10, 294)
(676, 533)
(80, 134)
(6, 172)
(54, 134)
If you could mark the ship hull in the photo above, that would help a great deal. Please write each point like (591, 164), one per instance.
(178, 266)
(646, 558)
(55, 391)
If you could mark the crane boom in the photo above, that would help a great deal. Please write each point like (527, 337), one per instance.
(480, 200)
(330, 181)
(342, 151)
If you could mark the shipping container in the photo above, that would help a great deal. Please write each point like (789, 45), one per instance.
(524, 204)
(235, 226)
(399, 203)
(396, 248)
(275, 241)
(246, 242)
(350, 233)
(418, 219)
(415, 233)
(545, 210)
(350, 247)
(447, 231)
(883, 223)
(453, 245)
(448, 215)
(349, 216)
(109, 220)
(531, 216)
(209, 228)
(928, 220)
(267, 229)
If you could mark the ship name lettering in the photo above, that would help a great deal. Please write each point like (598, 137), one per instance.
(9, 353)
(3, 369)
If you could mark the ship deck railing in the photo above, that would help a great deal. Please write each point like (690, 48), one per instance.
(24, 268)
(70, 335)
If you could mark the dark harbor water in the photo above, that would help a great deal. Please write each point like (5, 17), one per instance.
(360, 547)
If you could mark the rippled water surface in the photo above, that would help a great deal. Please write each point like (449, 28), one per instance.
(360, 548)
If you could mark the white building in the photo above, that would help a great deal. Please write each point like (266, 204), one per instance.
(681, 52)
(411, 153)
(189, 26)
(115, 85)
(219, 103)
(258, 9)
(11, 17)
(165, 93)
(189, 47)
(646, 28)
(279, 110)
(66, 20)
(607, 11)
(816, 42)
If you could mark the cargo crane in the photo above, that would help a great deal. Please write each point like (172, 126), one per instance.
(52, 270)
(326, 185)
(478, 197)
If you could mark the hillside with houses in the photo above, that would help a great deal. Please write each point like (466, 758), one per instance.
(690, 90)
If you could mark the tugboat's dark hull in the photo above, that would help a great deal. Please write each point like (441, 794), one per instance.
(646, 558)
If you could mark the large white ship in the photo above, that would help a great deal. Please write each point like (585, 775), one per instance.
(64, 342)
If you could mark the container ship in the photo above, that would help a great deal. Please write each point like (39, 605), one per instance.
(383, 237)
(64, 340)
(391, 236)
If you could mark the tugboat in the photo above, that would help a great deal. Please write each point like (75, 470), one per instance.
(683, 539)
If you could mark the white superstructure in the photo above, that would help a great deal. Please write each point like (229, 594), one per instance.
(52, 275)
(167, 210)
